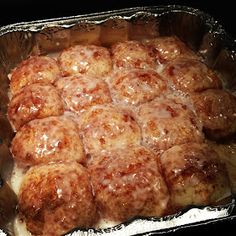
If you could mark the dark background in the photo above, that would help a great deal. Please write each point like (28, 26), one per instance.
(25, 10)
(28, 10)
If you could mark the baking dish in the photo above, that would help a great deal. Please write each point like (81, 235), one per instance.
(197, 29)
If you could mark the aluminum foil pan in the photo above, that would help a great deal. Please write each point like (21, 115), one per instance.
(197, 29)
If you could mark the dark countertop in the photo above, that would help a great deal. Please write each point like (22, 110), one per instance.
(27, 10)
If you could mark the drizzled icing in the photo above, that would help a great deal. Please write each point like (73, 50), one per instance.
(116, 102)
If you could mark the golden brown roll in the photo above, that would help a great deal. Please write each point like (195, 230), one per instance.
(194, 175)
(34, 101)
(34, 69)
(56, 198)
(166, 122)
(85, 59)
(227, 153)
(136, 86)
(132, 54)
(170, 48)
(127, 183)
(190, 75)
(217, 111)
(107, 127)
(81, 92)
(51, 139)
